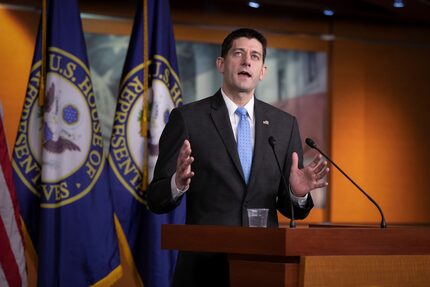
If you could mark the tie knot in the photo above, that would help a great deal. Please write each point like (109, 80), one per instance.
(241, 111)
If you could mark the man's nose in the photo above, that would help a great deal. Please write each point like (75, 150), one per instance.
(246, 59)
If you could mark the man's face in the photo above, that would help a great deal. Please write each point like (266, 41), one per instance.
(242, 67)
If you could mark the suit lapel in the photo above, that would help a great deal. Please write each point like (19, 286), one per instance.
(222, 123)
(261, 140)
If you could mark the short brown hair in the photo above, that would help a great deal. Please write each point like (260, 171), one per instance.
(243, 32)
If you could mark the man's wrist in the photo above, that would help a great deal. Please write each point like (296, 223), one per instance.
(176, 190)
(181, 188)
(300, 200)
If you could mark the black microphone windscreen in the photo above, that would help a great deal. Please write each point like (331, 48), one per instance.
(310, 143)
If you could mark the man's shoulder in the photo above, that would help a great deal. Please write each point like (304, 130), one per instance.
(273, 111)
(199, 105)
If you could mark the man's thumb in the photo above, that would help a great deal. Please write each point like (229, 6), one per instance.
(295, 158)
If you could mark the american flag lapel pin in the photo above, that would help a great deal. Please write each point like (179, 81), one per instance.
(266, 123)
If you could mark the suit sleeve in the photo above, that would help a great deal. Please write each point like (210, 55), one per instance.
(283, 204)
(159, 192)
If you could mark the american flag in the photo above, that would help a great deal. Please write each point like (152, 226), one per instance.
(12, 259)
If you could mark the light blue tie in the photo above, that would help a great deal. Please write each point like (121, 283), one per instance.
(244, 145)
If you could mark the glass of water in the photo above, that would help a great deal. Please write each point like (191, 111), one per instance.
(257, 217)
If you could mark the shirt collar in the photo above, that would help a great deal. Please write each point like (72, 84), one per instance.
(231, 106)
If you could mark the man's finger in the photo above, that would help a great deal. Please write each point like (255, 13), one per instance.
(185, 164)
(185, 150)
(322, 174)
(321, 185)
(315, 161)
(188, 175)
(321, 166)
(295, 161)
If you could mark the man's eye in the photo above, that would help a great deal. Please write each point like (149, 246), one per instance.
(238, 53)
(255, 57)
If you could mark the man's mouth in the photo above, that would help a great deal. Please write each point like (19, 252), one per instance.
(244, 73)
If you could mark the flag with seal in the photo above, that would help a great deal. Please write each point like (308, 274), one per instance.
(149, 90)
(58, 161)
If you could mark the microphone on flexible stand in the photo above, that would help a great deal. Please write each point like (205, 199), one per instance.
(312, 144)
(272, 143)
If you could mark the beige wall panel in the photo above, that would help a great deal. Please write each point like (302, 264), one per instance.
(380, 125)
(352, 271)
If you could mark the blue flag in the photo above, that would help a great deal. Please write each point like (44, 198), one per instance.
(60, 171)
(140, 229)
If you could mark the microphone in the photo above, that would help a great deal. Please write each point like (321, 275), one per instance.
(272, 143)
(312, 144)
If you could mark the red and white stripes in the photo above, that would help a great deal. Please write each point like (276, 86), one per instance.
(12, 259)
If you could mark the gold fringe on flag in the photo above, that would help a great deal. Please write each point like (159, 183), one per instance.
(43, 65)
(144, 122)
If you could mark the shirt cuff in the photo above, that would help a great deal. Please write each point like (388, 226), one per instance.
(176, 192)
(300, 200)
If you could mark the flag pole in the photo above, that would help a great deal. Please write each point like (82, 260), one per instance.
(144, 122)
(43, 65)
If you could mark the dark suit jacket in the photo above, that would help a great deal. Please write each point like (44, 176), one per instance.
(218, 194)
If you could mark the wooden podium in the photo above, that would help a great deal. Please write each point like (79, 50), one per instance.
(307, 256)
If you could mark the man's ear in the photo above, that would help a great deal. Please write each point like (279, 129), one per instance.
(263, 72)
(220, 64)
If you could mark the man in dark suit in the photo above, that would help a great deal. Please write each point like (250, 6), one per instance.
(222, 159)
